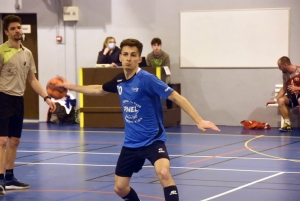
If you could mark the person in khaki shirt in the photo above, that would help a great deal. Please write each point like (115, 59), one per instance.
(16, 66)
(158, 58)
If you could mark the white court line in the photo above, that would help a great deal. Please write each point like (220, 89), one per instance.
(182, 156)
(172, 133)
(149, 166)
(235, 189)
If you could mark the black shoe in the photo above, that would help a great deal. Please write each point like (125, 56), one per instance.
(15, 184)
(2, 187)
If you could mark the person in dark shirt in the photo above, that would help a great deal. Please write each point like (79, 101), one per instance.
(140, 95)
(109, 53)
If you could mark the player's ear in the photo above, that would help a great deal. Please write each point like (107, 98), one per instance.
(140, 59)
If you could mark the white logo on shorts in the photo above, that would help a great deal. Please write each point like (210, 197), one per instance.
(173, 192)
(161, 150)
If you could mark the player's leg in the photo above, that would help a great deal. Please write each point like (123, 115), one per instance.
(5, 113)
(123, 189)
(162, 169)
(158, 156)
(3, 141)
(128, 163)
(15, 130)
(283, 104)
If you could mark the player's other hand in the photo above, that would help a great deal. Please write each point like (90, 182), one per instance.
(66, 84)
(114, 64)
(292, 88)
(51, 104)
(270, 102)
(203, 125)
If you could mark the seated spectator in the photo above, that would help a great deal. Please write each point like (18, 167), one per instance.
(158, 57)
(289, 94)
(109, 53)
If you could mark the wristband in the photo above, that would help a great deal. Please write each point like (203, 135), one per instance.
(275, 99)
(45, 98)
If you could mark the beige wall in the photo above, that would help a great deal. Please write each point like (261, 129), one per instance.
(225, 96)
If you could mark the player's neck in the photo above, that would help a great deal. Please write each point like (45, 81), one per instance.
(157, 53)
(15, 44)
(292, 68)
(129, 73)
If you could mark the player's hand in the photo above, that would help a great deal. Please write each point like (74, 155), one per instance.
(66, 84)
(114, 64)
(106, 50)
(203, 125)
(270, 102)
(51, 104)
(292, 88)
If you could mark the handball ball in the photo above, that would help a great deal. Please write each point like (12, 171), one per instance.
(54, 91)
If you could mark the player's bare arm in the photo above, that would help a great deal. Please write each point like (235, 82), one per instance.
(189, 109)
(280, 94)
(293, 88)
(37, 87)
(90, 90)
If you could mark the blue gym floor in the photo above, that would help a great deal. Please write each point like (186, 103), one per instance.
(64, 162)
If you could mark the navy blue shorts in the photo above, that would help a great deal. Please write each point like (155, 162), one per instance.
(132, 159)
(11, 115)
(293, 100)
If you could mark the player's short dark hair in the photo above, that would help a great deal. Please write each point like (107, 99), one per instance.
(156, 41)
(132, 43)
(284, 60)
(9, 19)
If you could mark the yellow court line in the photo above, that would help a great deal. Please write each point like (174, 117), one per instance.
(81, 114)
(246, 145)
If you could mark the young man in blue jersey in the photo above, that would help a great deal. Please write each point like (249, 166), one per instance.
(140, 95)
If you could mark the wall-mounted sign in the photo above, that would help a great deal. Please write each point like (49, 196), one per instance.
(26, 28)
(71, 13)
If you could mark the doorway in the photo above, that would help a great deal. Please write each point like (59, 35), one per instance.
(31, 99)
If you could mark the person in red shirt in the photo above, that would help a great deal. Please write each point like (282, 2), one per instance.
(289, 94)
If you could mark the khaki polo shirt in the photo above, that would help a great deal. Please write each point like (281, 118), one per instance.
(14, 68)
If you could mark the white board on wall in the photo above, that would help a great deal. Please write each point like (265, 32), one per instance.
(234, 38)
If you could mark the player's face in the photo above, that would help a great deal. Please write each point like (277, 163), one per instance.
(14, 31)
(130, 57)
(110, 41)
(156, 48)
(282, 67)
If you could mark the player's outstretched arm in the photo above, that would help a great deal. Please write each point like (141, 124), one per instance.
(189, 109)
(92, 90)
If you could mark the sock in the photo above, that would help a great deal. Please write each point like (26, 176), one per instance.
(287, 121)
(1, 176)
(9, 174)
(131, 196)
(171, 193)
